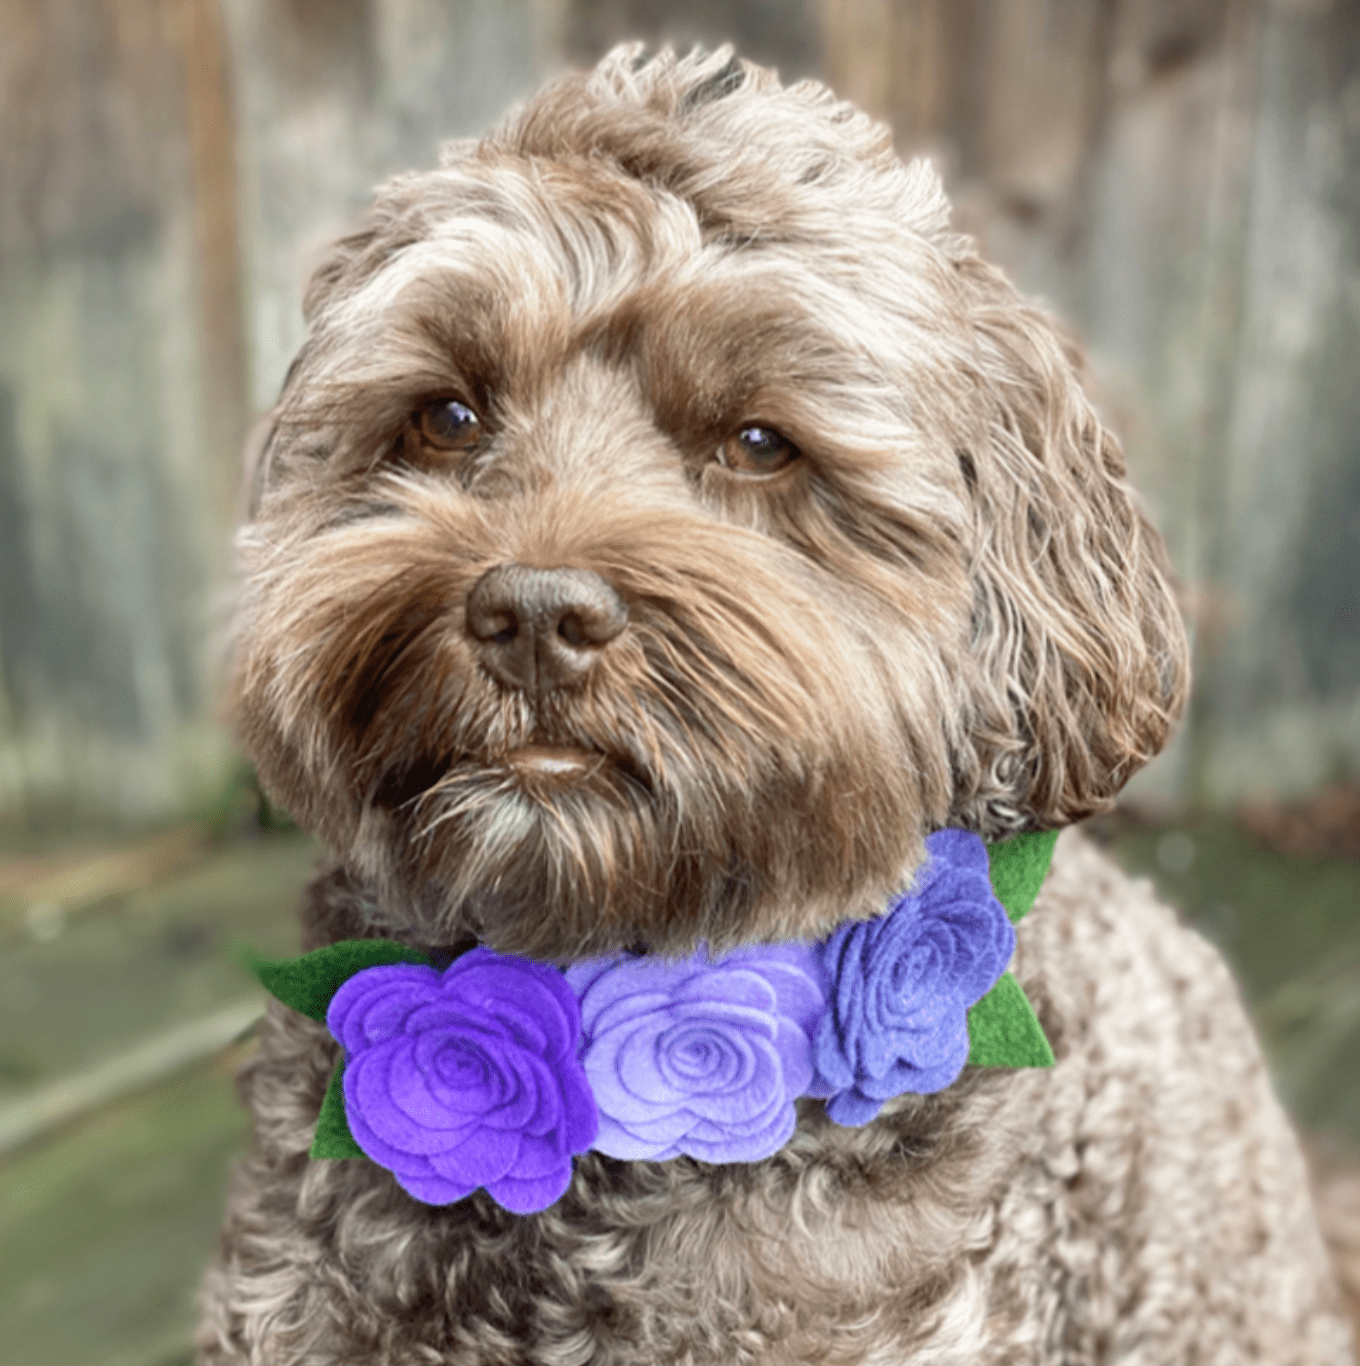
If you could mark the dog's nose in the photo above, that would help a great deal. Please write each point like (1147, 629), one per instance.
(541, 629)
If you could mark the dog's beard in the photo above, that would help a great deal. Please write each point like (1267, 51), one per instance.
(621, 855)
(668, 827)
(746, 766)
(552, 868)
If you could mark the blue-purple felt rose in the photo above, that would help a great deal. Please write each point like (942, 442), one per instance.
(699, 1057)
(466, 1078)
(902, 984)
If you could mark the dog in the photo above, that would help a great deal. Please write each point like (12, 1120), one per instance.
(667, 526)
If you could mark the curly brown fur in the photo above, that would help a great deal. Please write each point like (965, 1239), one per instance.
(946, 611)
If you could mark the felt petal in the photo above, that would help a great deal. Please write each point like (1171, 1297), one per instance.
(958, 848)
(592, 982)
(451, 1078)
(623, 1009)
(714, 1072)
(523, 1026)
(537, 1108)
(800, 987)
(714, 1124)
(615, 1140)
(479, 1156)
(374, 1004)
(432, 1189)
(852, 1109)
(628, 978)
(849, 1010)
(580, 1114)
(727, 986)
(662, 1131)
(374, 1144)
(517, 1016)
(554, 981)
(833, 1068)
(579, 976)
(529, 1196)
(932, 1069)
(611, 1095)
(795, 1057)
(638, 1072)
(539, 1155)
(368, 1101)
(413, 1104)
(753, 1147)
(531, 999)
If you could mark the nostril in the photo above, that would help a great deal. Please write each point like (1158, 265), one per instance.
(492, 623)
(500, 629)
(573, 630)
(591, 617)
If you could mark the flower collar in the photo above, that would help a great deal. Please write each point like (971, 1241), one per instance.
(495, 1071)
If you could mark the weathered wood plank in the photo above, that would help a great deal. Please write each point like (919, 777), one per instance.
(110, 516)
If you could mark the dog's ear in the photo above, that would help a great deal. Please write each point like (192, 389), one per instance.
(1078, 643)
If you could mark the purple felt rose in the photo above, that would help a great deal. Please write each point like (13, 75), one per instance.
(466, 1078)
(902, 984)
(699, 1057)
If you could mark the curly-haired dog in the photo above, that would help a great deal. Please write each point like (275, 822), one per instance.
(667, 525)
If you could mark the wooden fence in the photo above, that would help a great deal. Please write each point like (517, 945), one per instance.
(1181, 180)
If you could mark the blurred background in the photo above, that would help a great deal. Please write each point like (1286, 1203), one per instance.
(1179, 179)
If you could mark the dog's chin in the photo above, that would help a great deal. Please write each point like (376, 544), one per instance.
(544, 850)
(561, 853)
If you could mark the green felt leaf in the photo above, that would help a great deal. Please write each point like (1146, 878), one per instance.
(1019, 866)
(1005, 1031)
(308, 983)
(333, 1138)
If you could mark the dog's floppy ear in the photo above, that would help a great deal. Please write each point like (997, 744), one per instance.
(1080, 652)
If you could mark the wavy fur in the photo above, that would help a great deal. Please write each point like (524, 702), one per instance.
(948, 611)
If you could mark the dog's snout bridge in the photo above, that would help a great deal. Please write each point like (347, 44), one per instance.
(542, 629)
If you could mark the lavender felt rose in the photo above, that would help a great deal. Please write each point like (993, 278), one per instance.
(902, 984)
(466, 1078)
(699, 1057)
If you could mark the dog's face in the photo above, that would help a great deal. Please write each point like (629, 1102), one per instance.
(668, 524)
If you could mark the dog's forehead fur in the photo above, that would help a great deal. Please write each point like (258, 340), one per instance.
(844, 334)
(948, 611)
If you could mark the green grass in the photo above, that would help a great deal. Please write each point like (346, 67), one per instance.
(105, 1228)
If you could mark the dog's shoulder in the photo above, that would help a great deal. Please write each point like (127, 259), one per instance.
(1159, 1120)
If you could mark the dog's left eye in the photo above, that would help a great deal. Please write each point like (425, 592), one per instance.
(757, 451)
(449, 425)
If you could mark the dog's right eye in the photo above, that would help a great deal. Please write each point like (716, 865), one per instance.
(757, 452)
(449, 425)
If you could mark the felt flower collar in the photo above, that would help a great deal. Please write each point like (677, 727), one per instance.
(495, 1071)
